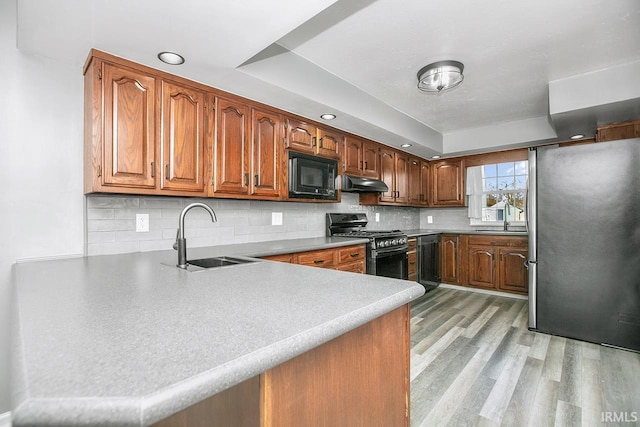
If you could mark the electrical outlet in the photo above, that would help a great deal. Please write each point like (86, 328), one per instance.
(142, 223)
(429, 219)
(276, 218)
(377, 216)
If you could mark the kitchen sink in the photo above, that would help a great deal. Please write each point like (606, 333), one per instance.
(221, 261)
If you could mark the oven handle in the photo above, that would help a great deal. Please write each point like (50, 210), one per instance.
(376, 253)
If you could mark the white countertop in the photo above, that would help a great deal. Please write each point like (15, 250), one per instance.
(130, 339)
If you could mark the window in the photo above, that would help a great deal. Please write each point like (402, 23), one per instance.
(503, 190)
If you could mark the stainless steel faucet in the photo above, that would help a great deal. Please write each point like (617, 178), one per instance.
(181, 243)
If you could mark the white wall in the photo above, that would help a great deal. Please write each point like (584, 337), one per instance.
(40, 165)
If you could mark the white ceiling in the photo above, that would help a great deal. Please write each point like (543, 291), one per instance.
(359, 58)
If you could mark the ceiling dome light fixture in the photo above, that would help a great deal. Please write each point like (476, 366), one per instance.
(577, 136)
(171, 58)
(436, 157)
(440, 76)
(328, 116)
(405, 145)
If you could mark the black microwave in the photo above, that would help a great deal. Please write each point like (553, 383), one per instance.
(312, 177)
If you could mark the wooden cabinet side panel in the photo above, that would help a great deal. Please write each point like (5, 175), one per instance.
(183, 138)
(129, 127)
(237, 406)
(358, 379)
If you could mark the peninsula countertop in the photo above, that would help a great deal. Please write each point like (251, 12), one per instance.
(131, 339)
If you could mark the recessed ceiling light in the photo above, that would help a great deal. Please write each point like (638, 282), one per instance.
(328, 116)
(435, 157)
(577, 136)
(405, 145)
(170, 58)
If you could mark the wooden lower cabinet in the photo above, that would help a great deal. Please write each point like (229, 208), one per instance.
(485, 262)
(346, 258)
(482, 267)
(360, 378)
(450, 259)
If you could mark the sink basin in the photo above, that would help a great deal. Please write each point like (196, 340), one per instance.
(218, 261)
(221, 261)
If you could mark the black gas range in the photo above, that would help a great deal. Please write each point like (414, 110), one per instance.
(386, 249)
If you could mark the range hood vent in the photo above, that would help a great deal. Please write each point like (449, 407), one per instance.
(358, 184)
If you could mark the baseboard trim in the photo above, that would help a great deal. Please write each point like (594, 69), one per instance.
(484, 291)
(5, 419)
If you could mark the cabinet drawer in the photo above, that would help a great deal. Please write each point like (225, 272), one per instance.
(354, 267)
(322, 258)
(351, 253)
(505, 241)
(280, 258)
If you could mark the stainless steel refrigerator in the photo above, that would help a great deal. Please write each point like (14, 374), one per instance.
(584, 242)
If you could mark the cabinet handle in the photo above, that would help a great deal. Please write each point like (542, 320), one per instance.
(256, 180)
(354, 254)
(313, 141)
(318, 261)
(366, 165)
(361, 164)
(246, 179)
(166, 171)
(321, 141)
(153, 169)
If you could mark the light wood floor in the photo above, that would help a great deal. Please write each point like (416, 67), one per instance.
(475, 363)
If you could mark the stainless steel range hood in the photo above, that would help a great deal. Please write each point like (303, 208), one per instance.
(359, 184)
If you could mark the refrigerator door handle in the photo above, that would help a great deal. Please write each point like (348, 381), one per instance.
(533, 277)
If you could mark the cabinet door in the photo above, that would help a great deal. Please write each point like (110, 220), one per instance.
(231, 148)
(483, 267)
(301, 136)
(513, 273)
(129, 128)
(388, 174)
(329, 143)
(402, 179)
(183, 138)
(266, 153)
(450, 259)
(415, 189)
(425, 180)
(370, 159)
(352, 156)
(447, 185)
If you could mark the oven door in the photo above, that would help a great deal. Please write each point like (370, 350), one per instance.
(393, 263)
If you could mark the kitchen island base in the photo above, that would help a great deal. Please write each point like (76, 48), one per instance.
(358, 378)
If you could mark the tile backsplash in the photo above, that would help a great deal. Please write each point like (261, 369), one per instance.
(111, 221)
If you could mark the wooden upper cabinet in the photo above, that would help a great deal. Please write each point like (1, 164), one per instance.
(266, 153)
(394, 170)
(129, 129)
(360, 157)
(447, 186)
(329, 143)
(231, 148)
(623, 130)
(370, 159)
(183, 138)
(415, 183)
(308, 138)
(301, 136)
(352, 156)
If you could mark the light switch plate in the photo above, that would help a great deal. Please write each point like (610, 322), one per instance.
(276, 218)
(429, 219)
(142, 223)
(377, 216)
